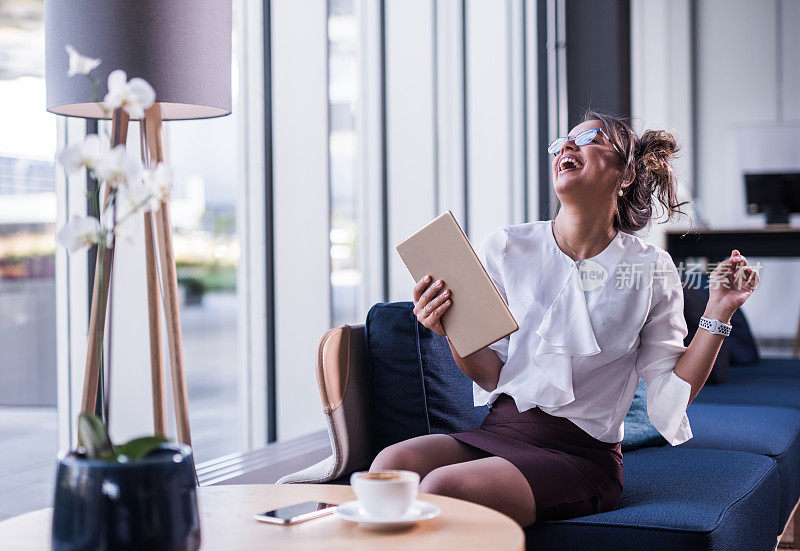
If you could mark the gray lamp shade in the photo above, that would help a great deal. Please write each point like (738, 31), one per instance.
(181, 47)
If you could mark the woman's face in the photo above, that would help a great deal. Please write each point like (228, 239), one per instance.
(598, 170)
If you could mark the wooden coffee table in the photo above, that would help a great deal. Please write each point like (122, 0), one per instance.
(226, 522)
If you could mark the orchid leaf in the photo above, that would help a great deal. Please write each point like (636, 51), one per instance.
(138, 448)
(94, 437)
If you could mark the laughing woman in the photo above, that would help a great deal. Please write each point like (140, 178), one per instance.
(598, 309)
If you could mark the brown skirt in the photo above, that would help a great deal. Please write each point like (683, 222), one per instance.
(571, 473)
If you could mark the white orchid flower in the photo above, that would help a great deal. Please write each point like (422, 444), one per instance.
(116, 166)
(159, 181)
(80, 64)
(135, 197)
(79, 232)
(76, 156)
(134, 96)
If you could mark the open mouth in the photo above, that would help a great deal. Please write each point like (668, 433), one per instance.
(569, 163)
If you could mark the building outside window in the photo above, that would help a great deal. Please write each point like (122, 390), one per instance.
(28, 416)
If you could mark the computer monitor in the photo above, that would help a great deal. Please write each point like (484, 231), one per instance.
(776, 194)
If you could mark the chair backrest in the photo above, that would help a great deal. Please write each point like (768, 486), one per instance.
(386, 381)
(344, 389)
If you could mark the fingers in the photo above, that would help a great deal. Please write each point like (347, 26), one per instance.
(748, 278)
(439, 312)
(431, 303)
(736, 259)
(427, 295)
(434, 305)
(420, 287)
(735, 273)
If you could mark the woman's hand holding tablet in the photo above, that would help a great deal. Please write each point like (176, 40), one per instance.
(431, 300)
(442, 251)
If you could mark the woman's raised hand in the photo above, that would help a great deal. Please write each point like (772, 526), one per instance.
(732, 282)
(430, 302)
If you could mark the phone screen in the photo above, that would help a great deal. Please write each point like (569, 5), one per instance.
(299, 509)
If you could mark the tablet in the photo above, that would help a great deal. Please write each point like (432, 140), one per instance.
(478, 316)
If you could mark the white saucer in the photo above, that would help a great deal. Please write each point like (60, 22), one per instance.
(419, 510)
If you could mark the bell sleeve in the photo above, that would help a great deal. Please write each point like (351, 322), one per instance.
(491, 252)
(660, 348)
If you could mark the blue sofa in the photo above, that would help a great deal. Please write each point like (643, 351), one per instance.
(734, 485)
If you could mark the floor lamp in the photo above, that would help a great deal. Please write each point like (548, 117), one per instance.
(183, 49)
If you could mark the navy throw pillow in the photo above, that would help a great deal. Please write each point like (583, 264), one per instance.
(742, 346)
(417, 387)
(639, 432)
(694, 304)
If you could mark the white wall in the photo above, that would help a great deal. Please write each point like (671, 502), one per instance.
(748, 117)
(745, 121)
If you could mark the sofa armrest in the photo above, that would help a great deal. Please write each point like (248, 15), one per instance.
(344, 386)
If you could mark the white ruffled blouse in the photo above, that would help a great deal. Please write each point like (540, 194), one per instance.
(588, 330)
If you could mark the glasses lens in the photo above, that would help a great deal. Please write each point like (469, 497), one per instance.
(586, 136)
(555, 145)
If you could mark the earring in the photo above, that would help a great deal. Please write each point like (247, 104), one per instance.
(620, 192)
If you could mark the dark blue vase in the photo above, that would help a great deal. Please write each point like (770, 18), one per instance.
(147, 504)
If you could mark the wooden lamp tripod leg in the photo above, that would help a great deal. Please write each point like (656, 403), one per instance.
(153, 309)
(102, 277)
(155, 141)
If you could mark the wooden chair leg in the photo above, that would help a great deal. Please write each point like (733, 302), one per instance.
(102, 277)
(169, 281)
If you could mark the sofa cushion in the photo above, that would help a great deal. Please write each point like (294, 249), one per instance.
(770, 383)
(783, 367)
(639, 431)
(771, 431)
(417, 387)
(679, 499)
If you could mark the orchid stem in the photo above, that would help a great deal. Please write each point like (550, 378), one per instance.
(110, 313)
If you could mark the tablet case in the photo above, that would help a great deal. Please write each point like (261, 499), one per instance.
(478, 316)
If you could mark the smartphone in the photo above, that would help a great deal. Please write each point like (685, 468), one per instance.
(296, 513)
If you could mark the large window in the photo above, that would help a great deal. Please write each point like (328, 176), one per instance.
(28, 417)
(40, 382)
(204, 157)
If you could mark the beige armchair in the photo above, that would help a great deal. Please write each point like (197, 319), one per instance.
(343, 377)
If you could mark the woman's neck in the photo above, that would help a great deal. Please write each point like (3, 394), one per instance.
(586, 234)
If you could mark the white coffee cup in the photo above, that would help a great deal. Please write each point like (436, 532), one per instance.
(385, 493)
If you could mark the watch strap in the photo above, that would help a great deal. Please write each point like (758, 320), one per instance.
(715, 327)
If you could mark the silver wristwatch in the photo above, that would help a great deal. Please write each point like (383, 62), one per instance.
(715, 327)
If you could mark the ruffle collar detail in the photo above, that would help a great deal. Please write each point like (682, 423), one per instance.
(565, 331)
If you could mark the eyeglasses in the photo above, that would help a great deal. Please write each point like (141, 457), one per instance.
(582, 138)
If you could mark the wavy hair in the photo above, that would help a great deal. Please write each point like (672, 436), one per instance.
(648, 164)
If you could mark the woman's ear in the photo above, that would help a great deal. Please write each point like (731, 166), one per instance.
(628, 181)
